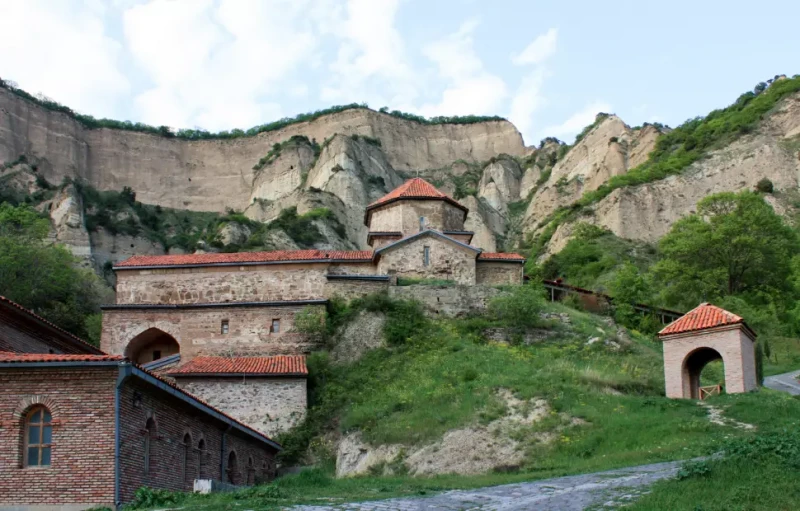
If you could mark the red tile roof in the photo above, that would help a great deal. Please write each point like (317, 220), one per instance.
(416, 188)
(275, 365)
(702, 317)
(500, 256)
(276, 256)
(7, 356)
(83, 344)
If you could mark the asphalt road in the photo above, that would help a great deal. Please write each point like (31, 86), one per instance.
(786, 382)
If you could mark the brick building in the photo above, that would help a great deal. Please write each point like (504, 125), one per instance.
(182, 314)
(704, 334)
(78, 431)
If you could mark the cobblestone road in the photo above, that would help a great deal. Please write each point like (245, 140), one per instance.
(601, 490)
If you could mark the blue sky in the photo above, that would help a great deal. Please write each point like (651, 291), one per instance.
(547, 66)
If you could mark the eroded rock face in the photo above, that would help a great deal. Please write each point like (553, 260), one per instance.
(66, 216)
(500, 184)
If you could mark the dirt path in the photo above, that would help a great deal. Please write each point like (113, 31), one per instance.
(601, 490)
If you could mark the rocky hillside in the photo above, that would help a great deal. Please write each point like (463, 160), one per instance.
(342, 161)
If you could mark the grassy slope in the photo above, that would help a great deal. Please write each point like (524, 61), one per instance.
(446, 377)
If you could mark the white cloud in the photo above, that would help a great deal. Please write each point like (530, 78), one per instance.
(527, 101)
(541, 49)
(579, 120)
(218, 64)
(371, 63)
(61, 48)
(470, 88)
(529, 97)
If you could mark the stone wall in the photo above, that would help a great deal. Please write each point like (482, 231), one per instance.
(217, 284)
(81, 472)
(404, 216)
(493, 273)
(198, 331)
(448, 260)
(214, 284)
(449, 301)
(350, 289)
(733, 345)
(270, 405)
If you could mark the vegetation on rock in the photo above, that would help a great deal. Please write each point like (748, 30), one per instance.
(44, 277)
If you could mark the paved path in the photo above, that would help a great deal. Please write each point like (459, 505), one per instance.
(786, 382)
(601, 490)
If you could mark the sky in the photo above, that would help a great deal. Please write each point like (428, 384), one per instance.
(549, 67)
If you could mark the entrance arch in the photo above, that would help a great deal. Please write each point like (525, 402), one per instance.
(693, 367)
(232, 470)
(702, 335)
(150, 345)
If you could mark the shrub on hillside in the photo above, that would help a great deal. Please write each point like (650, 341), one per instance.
(518, 310)
(765, 186)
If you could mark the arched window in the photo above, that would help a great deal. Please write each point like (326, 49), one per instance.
(38, 437)
(231, 470)
(149, 434)
(187, 448)
(201, 452)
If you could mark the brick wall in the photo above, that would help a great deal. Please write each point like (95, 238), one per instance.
(492, 273)
(447, 260)
(198, 331)
(732, 344)
(270, 405)
(81, 402)
(174, 419)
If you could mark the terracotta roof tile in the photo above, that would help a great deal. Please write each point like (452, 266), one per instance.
(500, 256)
(275, 365)
(6, 356)
(246, 257)
(40, 319)
(702, 317)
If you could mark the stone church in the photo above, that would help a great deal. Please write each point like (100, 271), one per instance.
(221, 325)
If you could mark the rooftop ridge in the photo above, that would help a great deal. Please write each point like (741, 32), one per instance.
(703, 317)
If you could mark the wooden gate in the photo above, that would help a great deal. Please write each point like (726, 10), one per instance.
(711, 390)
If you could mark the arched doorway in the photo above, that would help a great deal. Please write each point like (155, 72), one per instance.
(150, 345)
(693, 367)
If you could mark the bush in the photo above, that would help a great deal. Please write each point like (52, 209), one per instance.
(150, 497)
(765, 186)
(519, 309)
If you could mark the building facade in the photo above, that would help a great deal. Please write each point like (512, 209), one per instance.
(186, 313)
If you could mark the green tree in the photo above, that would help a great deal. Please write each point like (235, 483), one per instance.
(44, 277)
(734, 244)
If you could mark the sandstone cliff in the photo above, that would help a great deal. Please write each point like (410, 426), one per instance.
(344, 161)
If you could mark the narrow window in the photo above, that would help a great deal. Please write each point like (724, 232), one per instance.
(156, 354)
(149, 432)
(38, 437)
(276, 326)
(231, 469)
(224, 327)
(422, 223)
(201, 450)
(426, 256)
(187, 447)
(251, 471)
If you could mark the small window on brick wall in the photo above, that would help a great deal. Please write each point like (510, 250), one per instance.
(224, 327)
(275, 328)
(149, 435)
(38, 437)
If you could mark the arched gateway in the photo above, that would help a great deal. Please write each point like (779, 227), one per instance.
(702, 335)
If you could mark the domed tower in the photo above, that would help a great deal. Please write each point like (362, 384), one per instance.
(411, 208)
